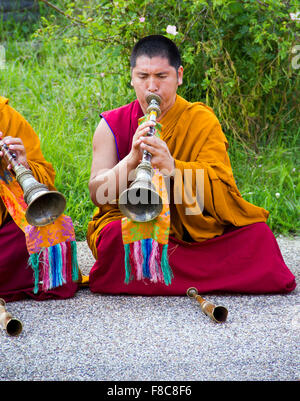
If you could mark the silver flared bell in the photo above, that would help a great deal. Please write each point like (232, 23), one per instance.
(141, 202)
(44, 206)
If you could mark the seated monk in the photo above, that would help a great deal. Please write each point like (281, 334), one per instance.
(221, 245)
(22, 272)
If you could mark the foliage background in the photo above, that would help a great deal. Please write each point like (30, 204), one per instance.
(238, 58)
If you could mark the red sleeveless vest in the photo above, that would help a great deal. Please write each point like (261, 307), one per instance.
(123, 123)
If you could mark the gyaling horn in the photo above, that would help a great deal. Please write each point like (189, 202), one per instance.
(216, 313)
(11, 325)
(141, 202)
(43, 206)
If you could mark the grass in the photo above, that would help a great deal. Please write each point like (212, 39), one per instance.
(60, 90)
(270, 179)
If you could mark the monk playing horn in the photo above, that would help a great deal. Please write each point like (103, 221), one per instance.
(35, 262)
(207, 236)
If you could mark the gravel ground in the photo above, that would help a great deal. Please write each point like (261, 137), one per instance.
(134, 338)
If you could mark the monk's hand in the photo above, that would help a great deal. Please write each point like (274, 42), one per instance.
(161, 156)
(136, 153)
(16, 146)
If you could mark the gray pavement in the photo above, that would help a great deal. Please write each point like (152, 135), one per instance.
(135, 338)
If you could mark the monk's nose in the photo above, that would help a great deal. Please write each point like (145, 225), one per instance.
(152, 85)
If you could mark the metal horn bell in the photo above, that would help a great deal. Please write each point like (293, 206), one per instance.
(216, 313)
(43, 206)
(11, 325)
(141, 202)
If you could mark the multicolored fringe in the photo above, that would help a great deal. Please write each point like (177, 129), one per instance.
(55, 265)
(146, 259)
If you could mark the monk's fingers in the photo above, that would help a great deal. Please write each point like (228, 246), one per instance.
(19, 148)
(136, 144)
(13, 141)
(142, 133)
(157, 152)
(154, 142)
(150, 148)
(139, 139)
(15, 145)
(143, 130)
(8, 139)
(146, 124)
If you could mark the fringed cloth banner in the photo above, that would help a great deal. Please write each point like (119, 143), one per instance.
(52, 248)
(146, 244)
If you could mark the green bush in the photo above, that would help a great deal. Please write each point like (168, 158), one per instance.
(237, 55)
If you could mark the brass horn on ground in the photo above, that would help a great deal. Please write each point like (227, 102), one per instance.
(141, 202)
(216, 313)
(11, 325)
(44, 206)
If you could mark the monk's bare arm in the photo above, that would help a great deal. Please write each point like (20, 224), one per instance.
(104, 178)
(109, 177)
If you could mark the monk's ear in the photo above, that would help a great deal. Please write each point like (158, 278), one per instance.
(180, 75)
(131, 69)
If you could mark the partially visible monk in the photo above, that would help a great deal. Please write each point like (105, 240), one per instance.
(16, 276)
(225, 245)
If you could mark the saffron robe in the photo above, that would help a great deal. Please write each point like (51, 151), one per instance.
(16, 277)
(196, 141)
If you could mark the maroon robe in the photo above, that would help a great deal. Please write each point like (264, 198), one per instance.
(245, 260)
(16, 277)
(242, 260)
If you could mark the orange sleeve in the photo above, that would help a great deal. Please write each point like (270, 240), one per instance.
(214, 200)
(205, 196)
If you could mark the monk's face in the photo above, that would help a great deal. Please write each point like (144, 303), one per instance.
(156, 75)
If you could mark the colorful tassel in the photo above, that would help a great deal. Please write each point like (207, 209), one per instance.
(165, 267)
(64, 261)
(138, 259)
(34, 263)
(127, 263)
(75, 268)
(45, 276)
(143, 259)
(146, 249)
(153, 262)
(55, 264)
(58, 264)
